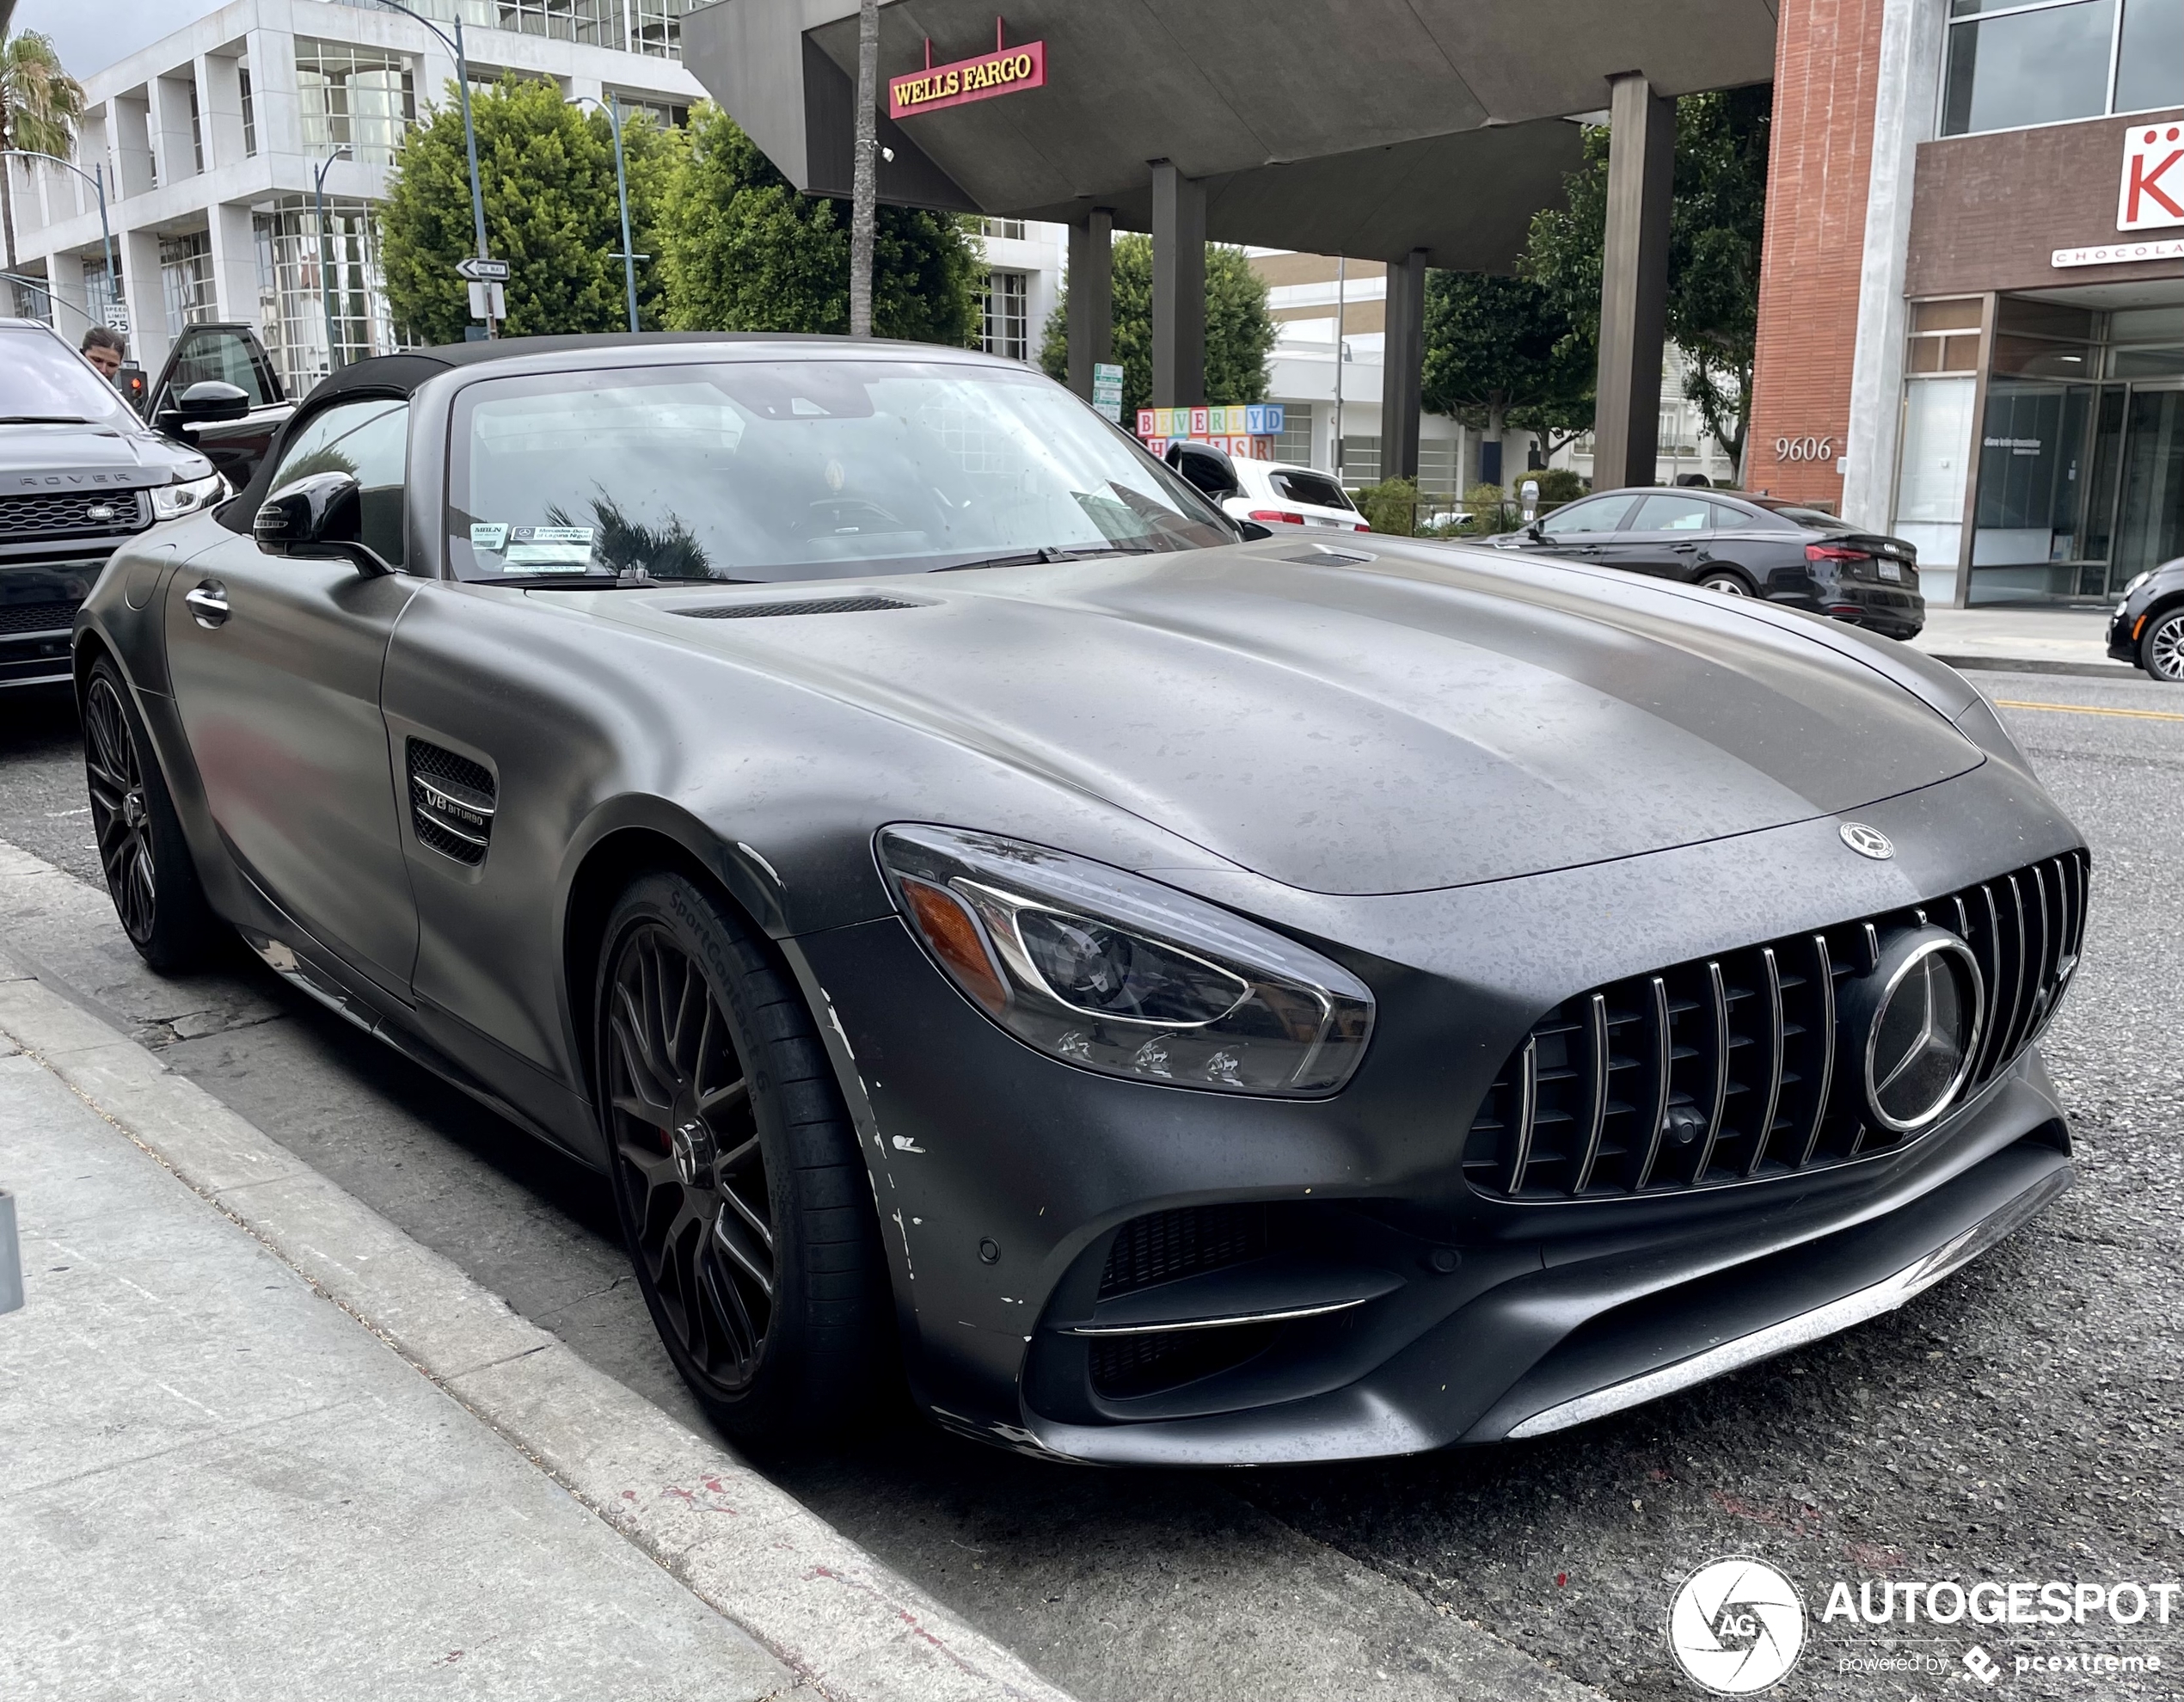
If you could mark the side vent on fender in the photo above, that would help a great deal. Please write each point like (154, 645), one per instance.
(450, 803)
(827, 606)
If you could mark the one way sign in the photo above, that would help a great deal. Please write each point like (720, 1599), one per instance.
(483, 271)
(2152, 192)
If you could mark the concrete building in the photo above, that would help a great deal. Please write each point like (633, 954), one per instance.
(209, 139)
(1971, 314)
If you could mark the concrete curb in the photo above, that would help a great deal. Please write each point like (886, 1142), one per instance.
(2031, 665)
(850, 1628)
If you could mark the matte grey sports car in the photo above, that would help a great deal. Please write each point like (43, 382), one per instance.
(1183, 995)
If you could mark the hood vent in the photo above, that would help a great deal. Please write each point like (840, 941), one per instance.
(826, 605)
(452, 802)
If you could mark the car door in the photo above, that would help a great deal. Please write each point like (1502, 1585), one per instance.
(276, 663)
(233, 355)
(1667, 537)
(1578, 530)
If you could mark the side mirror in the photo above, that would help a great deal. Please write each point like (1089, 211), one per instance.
(207, 400)
(319, 518)
(1533, 533)
(1251, 532)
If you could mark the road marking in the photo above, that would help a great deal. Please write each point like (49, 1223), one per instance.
(2088, 708)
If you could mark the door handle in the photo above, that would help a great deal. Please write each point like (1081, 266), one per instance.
(208, 602)
(1684, 548)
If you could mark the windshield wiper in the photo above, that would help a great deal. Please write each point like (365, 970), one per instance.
(44, 420)
(1046, 552)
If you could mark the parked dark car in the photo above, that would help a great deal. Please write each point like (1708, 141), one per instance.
(1187, 997)
(2147, 628)
(1741, 546)
(79, 473)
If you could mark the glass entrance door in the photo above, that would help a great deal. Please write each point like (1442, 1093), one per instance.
(2149, 507)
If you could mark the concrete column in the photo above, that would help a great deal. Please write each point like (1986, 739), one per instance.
(1634, 282)
(1910, 70)
(1091, 296)
(219, 100)
(1403, 370)
(1179, 288)
(235, 261)
(141, 289)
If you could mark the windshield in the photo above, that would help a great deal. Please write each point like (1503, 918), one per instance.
(42, 378)
(798, 470)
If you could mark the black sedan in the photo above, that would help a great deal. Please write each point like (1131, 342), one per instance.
(1741, 546)
(2147, 628)
(1182, 997)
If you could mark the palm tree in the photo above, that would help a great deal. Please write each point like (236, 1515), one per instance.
(40, 105)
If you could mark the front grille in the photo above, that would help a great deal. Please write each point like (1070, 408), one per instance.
(1724, 1070)
(830, 606)
(1123, 1367)
(451, 801)
(68, 514)
(1166, 1245)
(54, 617)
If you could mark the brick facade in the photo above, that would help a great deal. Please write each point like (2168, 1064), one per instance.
(1827, 58)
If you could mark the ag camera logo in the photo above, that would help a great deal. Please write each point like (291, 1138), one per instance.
(1737, 1626)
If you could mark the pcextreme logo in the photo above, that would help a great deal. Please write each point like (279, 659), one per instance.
(1737, 1626)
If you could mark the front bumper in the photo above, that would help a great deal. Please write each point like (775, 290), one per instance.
(2123, 636)
(1394, 1308)
(38, 599)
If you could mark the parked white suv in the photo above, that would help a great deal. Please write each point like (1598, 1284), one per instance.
(1271, 492)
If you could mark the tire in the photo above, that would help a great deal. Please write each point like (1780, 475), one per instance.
(743, 1198)
(2161, 649)
(150, 873)
(1729, 584)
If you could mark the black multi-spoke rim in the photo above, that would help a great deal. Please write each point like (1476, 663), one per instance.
(119, 816)
(687, 1160)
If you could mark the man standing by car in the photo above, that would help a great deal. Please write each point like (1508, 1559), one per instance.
(106, 349)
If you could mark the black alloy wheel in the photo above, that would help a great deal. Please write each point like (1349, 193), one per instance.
(148, 867)
(741, 1193)
(2161, 652)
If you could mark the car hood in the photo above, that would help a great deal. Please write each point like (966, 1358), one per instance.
(1374, 718)
(90, 456)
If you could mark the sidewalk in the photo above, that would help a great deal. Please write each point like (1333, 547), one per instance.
(221, 1483)
(2032, 641)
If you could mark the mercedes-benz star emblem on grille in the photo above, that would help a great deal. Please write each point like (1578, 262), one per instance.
(1867, 841)
(1922, 1008)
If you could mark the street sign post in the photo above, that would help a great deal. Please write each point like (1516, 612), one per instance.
(478, 270)
(487, 301)
(1106, 389)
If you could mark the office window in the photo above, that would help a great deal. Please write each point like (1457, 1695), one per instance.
(1361, 461)
(196, 128)
(294, 261)
(359, 96)
(1294, 446)
(101, 292)
(185, 281)
(665, 114)
(249, 107)
(1008, 328)
(1437, 472)
(1008, 230)
(2049, 61)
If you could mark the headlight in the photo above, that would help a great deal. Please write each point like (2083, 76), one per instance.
(2131, 585)
(172, 501)
(1117, 974)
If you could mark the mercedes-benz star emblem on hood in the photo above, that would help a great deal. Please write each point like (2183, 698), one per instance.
(1867, 841)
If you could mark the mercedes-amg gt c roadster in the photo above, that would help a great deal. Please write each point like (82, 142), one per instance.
(1176, 992)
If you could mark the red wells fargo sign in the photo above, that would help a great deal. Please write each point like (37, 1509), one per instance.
(1001, 72)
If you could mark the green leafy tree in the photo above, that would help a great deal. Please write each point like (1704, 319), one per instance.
(546, 168)
(1239, 331)
(743, 250)
(1500, 351)
(40, 105)
(1714, 231)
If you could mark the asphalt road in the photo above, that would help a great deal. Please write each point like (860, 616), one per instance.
(2019, 1422)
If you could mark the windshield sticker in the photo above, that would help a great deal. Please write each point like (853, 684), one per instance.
(484, 537)
(565, 549)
